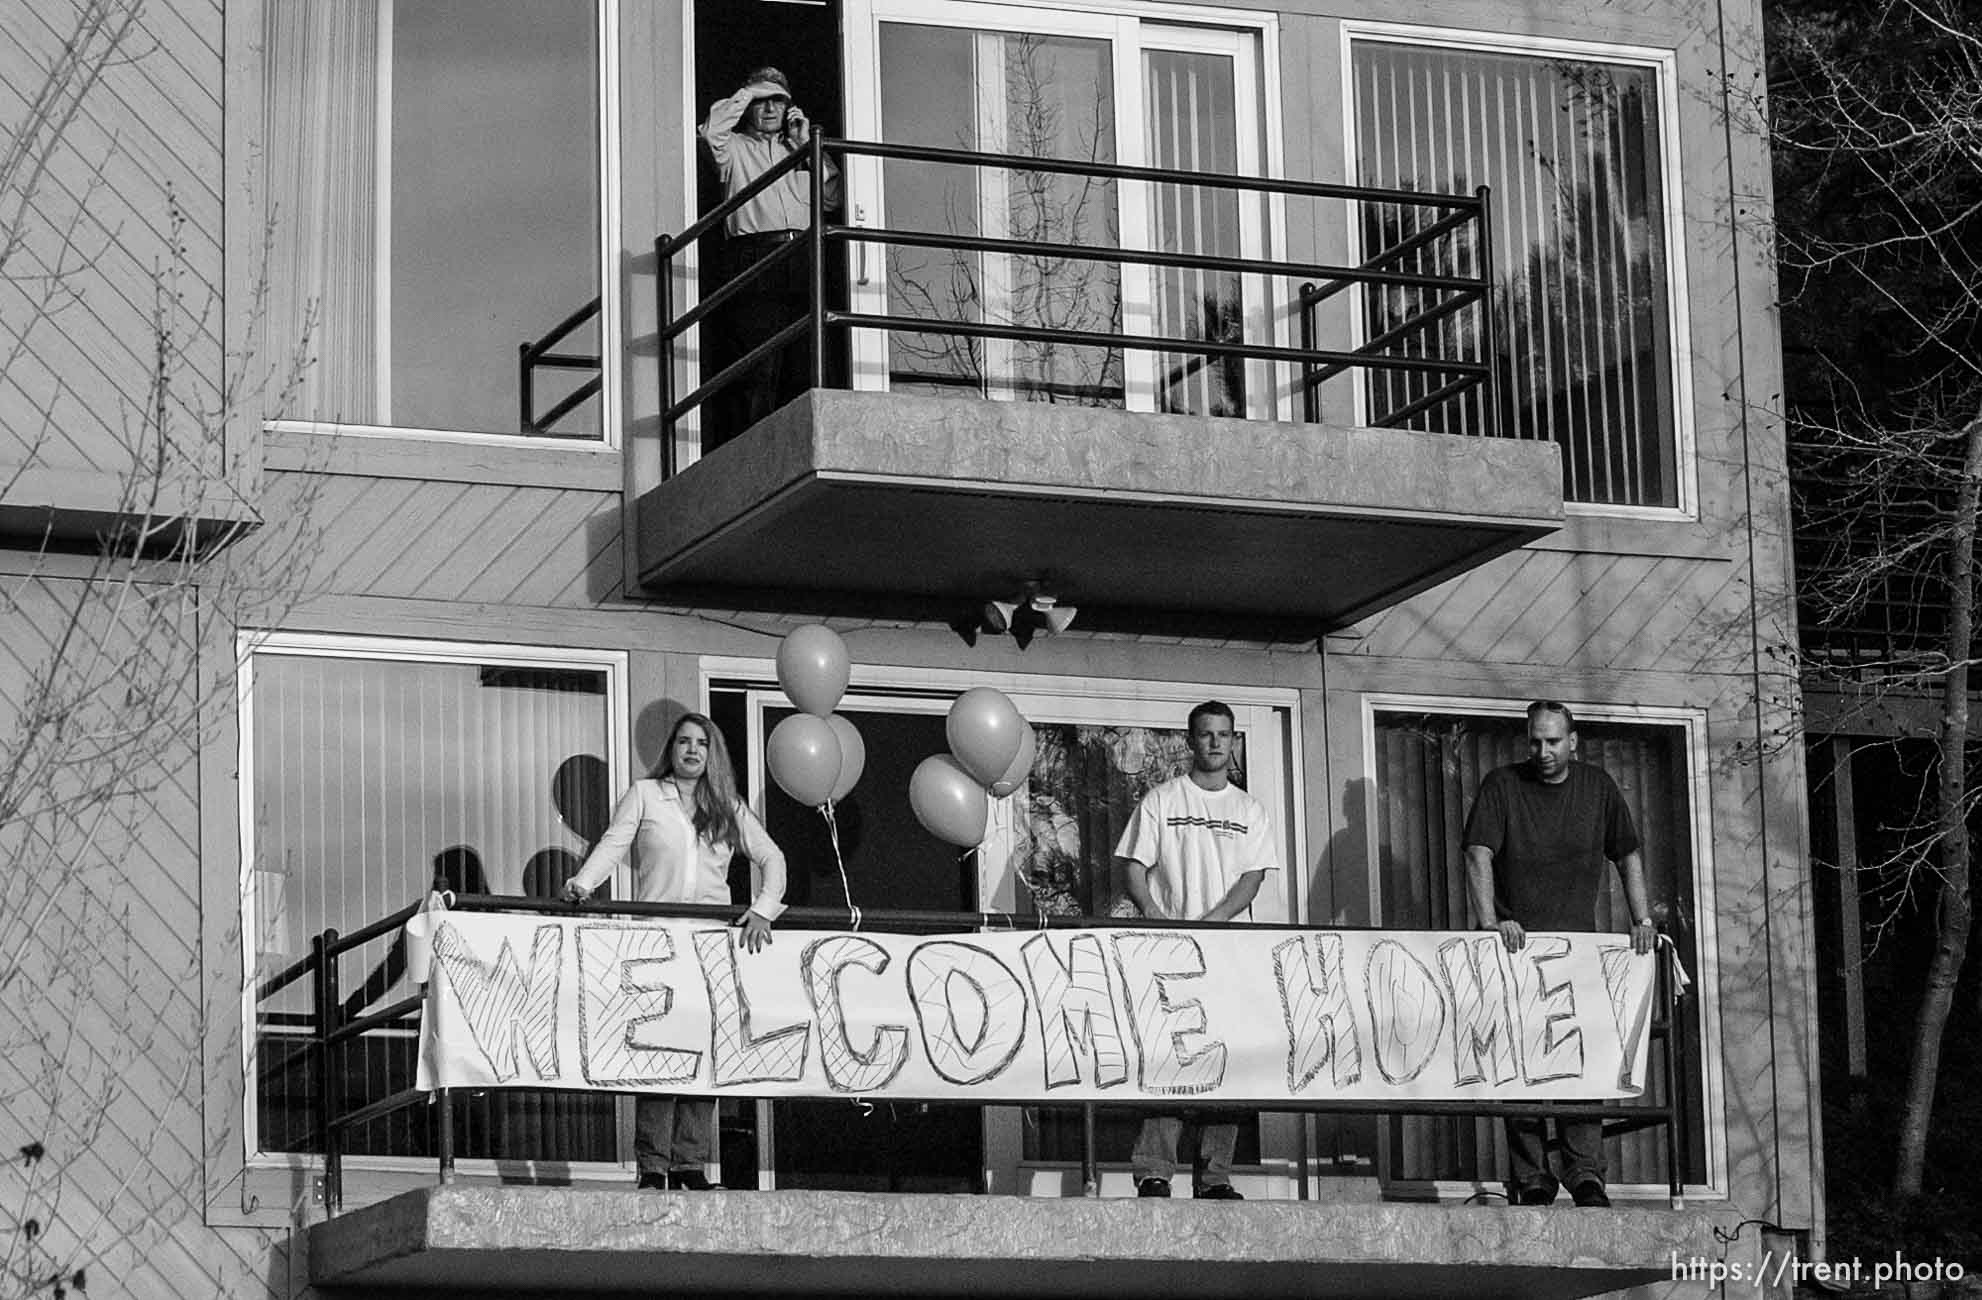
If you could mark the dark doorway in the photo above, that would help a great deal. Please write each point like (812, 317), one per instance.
(891, 862)
(801, 38)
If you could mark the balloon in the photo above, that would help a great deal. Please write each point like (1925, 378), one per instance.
(813, 668)
(804, 757)
(948, 802)
(1021, 765)
(984, 729)
(853, 755)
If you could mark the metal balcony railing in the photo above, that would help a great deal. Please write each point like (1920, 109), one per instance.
(537, 355)
(1415, 345)
(335, 1024)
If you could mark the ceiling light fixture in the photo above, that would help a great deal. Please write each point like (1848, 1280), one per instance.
(1031, 612)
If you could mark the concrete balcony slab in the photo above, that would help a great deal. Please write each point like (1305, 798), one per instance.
(924, 507)
(91, 510)
(497, 1240)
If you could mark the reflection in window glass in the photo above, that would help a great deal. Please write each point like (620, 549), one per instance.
(371, 781)
(1193, 127)
(1571, 151)
(1021, 94)
(433, 203)
(1085, 785)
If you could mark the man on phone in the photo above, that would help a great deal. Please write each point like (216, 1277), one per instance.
(747, 134)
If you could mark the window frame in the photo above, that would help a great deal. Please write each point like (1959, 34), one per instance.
(606, 15)
(1664, 66)
(329, 645)
(1692, 721)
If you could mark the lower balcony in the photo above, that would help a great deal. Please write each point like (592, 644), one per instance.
(463, 1240)
(893, 503)
(572, 1223)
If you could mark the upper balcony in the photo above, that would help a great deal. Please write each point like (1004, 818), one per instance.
(1042, 371)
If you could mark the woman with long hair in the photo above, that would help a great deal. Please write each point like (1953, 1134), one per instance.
(682, 826)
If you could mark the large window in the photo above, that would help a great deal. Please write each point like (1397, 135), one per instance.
(1573, 150)
(373, 772)
(434, 202)
(1427, 768)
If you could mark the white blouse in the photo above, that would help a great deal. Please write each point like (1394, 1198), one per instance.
(671, 862)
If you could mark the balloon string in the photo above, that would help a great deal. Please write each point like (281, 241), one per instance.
(833, 833)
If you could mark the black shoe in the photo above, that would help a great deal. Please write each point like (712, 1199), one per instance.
(1531, 1196)
(693, 1180)
(1220, 1192)
(1153, 1187)
(651, 1182)
(1590, 1194)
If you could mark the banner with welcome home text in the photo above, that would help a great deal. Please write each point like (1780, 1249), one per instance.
(1117, 1015)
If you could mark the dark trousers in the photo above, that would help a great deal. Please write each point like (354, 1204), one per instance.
(1581, 1143)
(672, 1133)
(769, 301)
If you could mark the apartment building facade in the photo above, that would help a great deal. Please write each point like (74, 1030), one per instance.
(442, 409)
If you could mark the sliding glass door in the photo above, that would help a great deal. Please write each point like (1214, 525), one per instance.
(1076, 87)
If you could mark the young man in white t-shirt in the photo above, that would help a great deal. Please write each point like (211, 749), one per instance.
(1196, 850)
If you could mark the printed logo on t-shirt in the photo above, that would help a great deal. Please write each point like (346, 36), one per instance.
(1220, 827)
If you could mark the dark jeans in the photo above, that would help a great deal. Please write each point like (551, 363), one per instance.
(769, 302)
(1581, 1152)
(672, 1133)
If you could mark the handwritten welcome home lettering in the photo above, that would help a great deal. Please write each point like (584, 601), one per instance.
(1062, 1015)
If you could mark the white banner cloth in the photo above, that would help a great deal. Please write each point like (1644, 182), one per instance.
(1254, 1016)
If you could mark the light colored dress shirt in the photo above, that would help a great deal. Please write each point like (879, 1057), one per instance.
(742, 157)
(672, 863)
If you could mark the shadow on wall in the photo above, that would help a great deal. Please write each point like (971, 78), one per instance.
(1341, 875)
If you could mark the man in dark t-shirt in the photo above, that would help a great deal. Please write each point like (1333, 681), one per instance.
(1537, 842)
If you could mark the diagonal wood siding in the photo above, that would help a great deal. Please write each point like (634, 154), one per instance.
(142, 146)
(478, 543)
(103, 1016)
(1589, 612)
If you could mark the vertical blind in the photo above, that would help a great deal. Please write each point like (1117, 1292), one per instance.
(1429, 768)
(1193, 127)
(372, 779)
(1570, 149)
